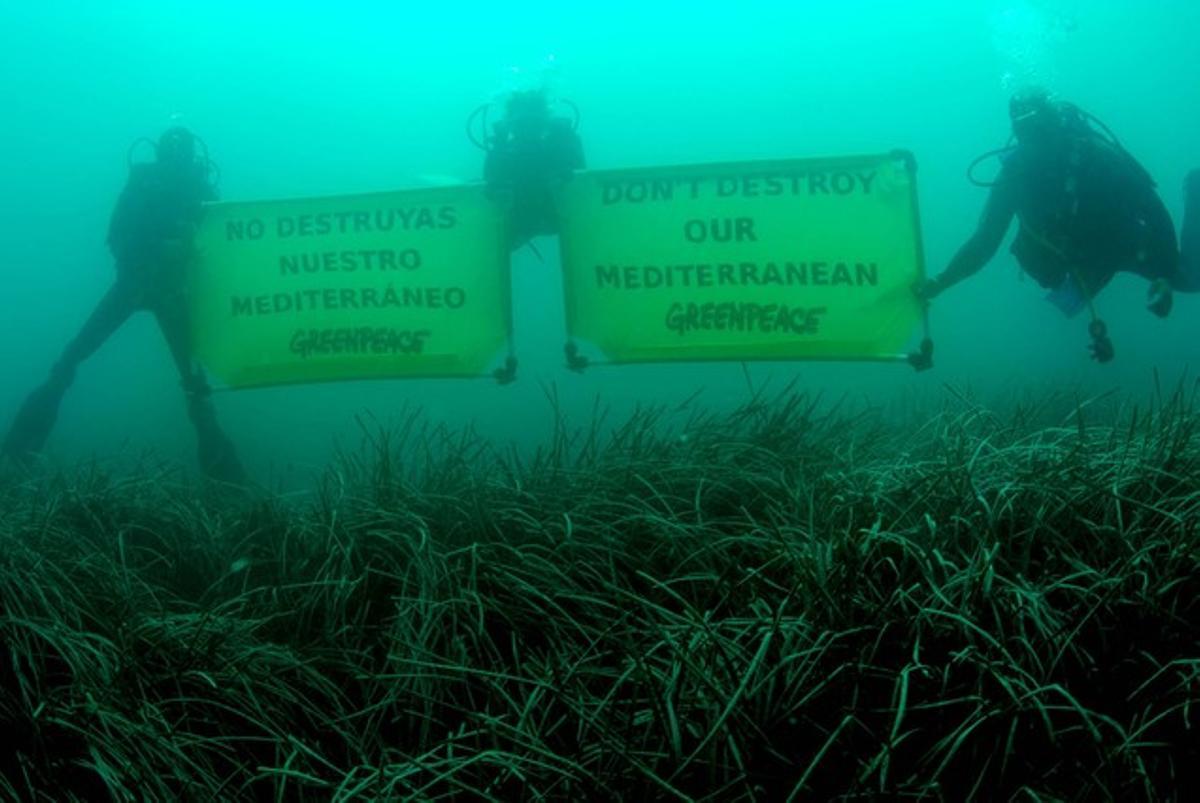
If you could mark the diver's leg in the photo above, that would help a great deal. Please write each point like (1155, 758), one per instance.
(39, 412)
(110, 314)
(217, 456)
(172, 317)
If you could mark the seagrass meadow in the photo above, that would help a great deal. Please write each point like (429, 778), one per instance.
(786, 601)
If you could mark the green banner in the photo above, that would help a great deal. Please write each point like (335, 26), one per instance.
(398, 284)
(786, 260)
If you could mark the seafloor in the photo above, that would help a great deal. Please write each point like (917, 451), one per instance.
(782, 602)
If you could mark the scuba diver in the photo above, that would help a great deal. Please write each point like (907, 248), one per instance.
(531, 153)
(150, 236)
(1086, 210)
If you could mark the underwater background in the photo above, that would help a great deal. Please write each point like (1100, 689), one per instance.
(300, 99)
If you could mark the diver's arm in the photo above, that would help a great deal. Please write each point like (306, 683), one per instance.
(574, 152)
(126, 239)
(491, 168)
(499, 172)
(984, 243)
(564, 148)
(178, 242)
(208, 193)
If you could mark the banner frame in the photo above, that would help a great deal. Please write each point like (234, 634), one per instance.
(505, 354)
(920, 360)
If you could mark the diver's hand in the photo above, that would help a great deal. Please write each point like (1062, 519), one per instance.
(1101, 346)
(927, 289)
(1160, 298)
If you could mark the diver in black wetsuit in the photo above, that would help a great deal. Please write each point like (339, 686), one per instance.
(150, 235)
(1086, 210)
(530, 155)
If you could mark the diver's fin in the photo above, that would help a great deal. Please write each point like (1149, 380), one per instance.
(34, 422)
(217, 456)
(219, 460)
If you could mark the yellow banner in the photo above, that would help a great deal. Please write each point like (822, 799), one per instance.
(798, 259)
(397, 284)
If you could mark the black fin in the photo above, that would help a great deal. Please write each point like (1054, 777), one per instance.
(34, 422)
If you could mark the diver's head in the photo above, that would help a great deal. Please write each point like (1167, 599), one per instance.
(1035, 117)
(527, 113)
(177, 148)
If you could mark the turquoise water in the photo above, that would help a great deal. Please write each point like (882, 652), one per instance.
(303, 99)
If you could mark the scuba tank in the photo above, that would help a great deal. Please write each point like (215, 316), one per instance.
(206, 170)
(489, 134)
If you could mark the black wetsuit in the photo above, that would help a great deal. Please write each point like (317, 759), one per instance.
(1086, 210)
(156, 211)
(149, 235)
(527, 171)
